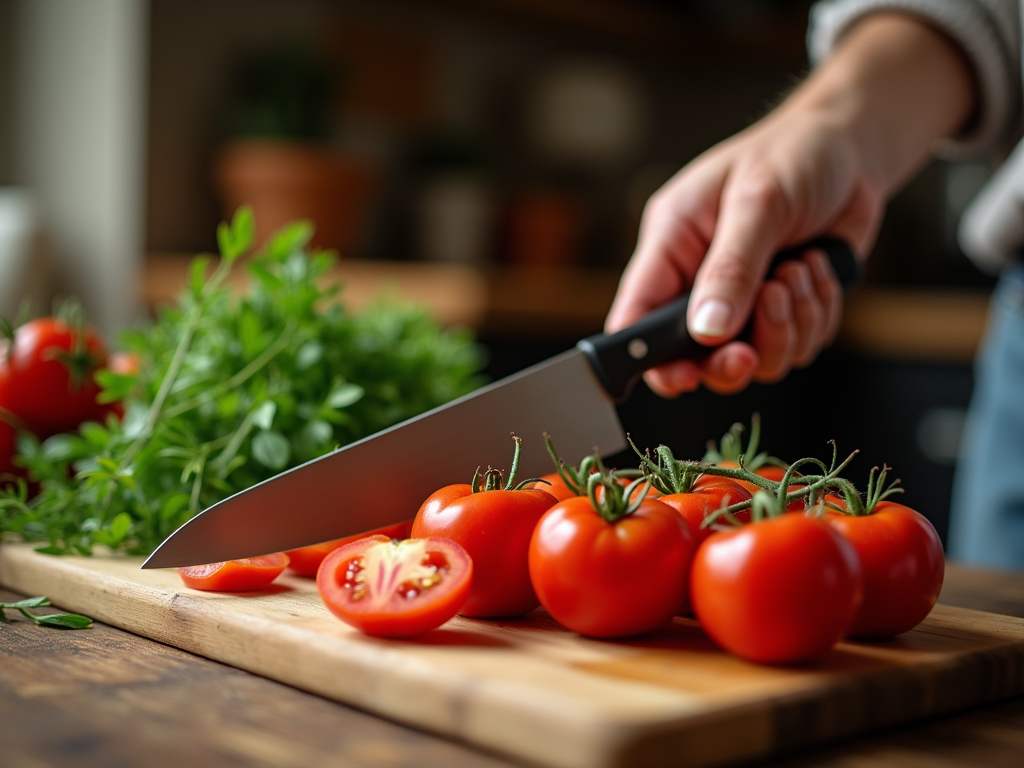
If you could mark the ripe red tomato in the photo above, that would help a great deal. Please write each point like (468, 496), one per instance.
(124, 363)
(246, 575)
(389, 588)
(555, 486)
(495, 528)
(708, 494)
(607, 579)
(306, 561)
(901, 556)
(769, 472)
(47, 379)
(781, 590)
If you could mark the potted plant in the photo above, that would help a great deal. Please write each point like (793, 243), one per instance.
(278, 157)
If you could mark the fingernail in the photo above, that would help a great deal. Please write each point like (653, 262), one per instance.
(821, 265)
(801, 282)
(712, 319)
(776, 304)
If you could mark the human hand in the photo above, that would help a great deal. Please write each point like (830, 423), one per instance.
(821, 164)
(715, 227)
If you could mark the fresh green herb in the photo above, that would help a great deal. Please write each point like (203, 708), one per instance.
(231, 390)
(56, 620)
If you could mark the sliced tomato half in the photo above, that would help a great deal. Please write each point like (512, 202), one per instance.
(306, 561)
(246, 575)
(390, 588)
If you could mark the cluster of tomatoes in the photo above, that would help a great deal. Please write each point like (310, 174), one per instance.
(777, 565)
(47, 382)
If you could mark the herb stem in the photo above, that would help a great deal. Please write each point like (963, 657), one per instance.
(257, 364)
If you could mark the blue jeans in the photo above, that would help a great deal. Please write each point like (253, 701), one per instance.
(987, 518)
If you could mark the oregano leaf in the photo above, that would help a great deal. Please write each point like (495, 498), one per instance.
(271, 449)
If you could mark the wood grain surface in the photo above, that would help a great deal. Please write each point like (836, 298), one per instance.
(531, 690)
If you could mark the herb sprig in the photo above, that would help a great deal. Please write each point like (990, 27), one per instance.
(55, 620)
(230, 391)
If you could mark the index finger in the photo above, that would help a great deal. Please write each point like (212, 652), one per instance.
(749, 228)
(674, 235)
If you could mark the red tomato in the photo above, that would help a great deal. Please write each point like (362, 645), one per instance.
(769, 472)
(903, 564)
(708, 494)
(247, 575)
(124, 363)
(772, 472)
(47, 381)
(495, 528)
(611, 579)
(555, 486)
(306, 561)
(777, 591)
(389, 588)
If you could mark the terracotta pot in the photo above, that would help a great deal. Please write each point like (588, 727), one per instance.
(544, 227)
(284, 181)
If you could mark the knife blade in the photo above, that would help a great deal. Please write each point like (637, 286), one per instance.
(383, 479)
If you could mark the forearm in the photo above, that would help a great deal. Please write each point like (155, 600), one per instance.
(894, 86)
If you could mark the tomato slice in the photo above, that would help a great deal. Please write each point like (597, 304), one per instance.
(306, 561)
(246, 575)
(390, 588)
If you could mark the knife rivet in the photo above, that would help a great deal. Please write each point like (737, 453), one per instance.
(637, 348)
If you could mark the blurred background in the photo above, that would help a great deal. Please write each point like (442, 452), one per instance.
(488, 158)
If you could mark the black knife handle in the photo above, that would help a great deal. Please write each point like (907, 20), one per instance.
(661, 336)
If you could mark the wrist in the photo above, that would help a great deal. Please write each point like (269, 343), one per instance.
(889, 91)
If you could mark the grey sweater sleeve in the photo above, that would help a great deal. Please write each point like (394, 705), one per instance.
(988, 31)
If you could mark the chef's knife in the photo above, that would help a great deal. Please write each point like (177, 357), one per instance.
(383, 479)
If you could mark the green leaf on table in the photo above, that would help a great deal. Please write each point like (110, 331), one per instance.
(120, 526)
(29, 602)
(52, 549)
(64, 621)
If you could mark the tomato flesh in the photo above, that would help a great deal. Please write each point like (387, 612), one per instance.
(495, 528)
(390, 588)
(246, 575)
(306, 561)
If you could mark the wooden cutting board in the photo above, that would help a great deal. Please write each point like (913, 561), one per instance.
(529, 689)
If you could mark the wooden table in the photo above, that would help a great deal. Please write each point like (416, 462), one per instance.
(104, 697)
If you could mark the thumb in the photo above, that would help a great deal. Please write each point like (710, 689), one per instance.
(746, 235)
